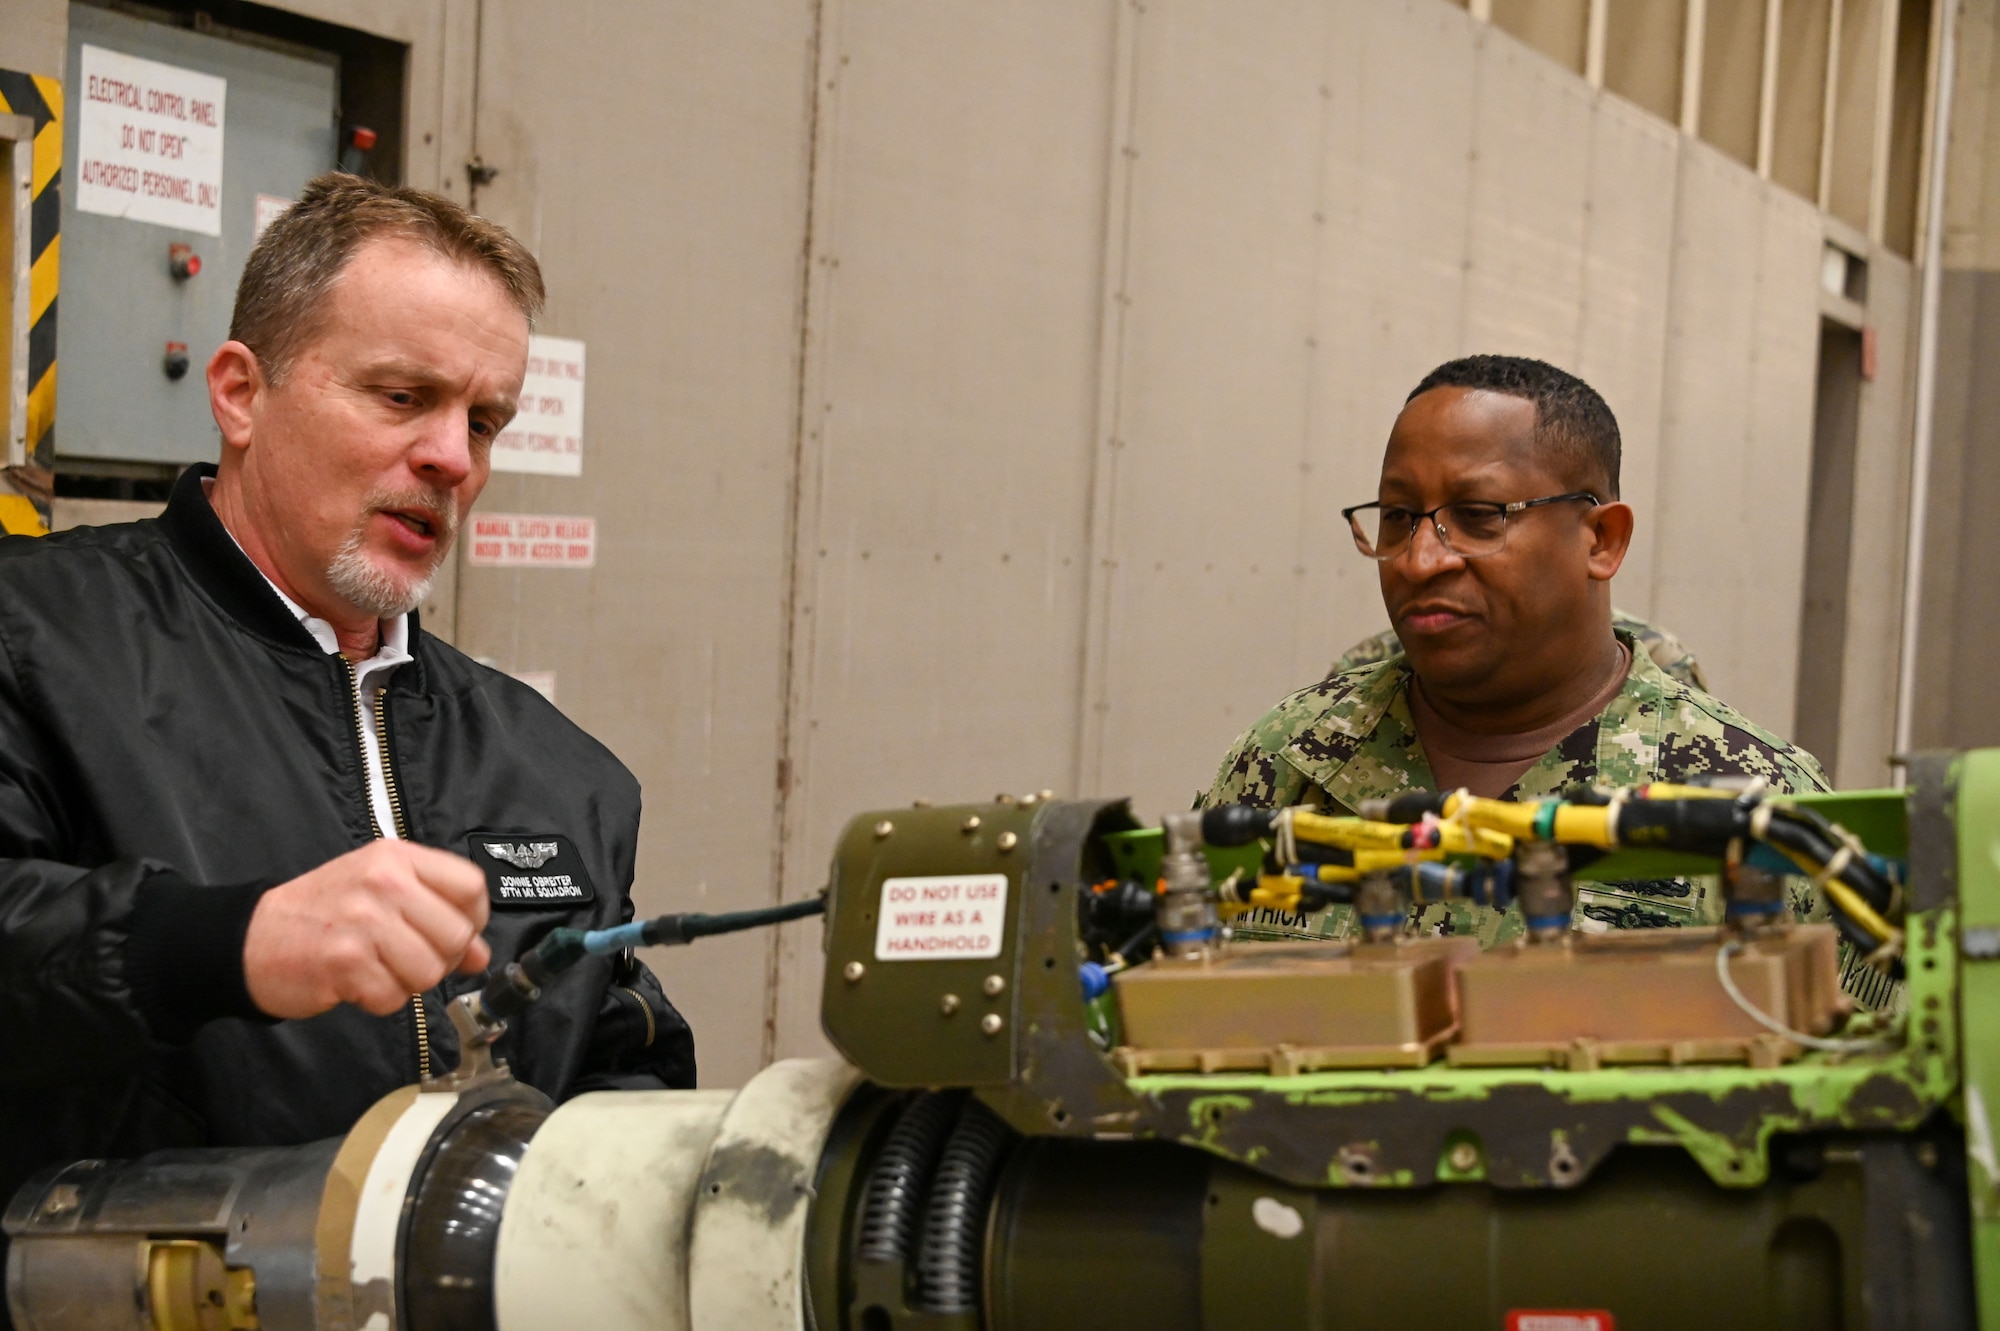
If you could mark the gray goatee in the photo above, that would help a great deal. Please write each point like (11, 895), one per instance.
(384, 592)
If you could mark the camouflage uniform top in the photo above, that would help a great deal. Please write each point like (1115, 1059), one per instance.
(1670, 652)
(1351, 737)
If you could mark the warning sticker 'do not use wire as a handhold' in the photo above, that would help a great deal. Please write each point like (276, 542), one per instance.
(933, 919)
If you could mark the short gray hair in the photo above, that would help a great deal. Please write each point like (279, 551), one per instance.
(281, 301)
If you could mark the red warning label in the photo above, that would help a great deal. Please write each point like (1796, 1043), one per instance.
(1551, 1319)
(531, 540)
(955, 915)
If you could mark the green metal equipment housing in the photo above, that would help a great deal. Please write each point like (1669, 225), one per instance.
(1850, 1189)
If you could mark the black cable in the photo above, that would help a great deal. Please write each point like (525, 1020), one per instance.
(1693, 826)
(1132, 947)
(1859, 873)
(1408, 807)
(901, 1176)
(1312, 852)
(668, 930)
(948, 1261)
(1235, 824)
(1316, 896)
(511, 988)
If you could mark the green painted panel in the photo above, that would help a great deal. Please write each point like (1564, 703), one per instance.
(1137, 855)
(1878, 817)
(1978, 782)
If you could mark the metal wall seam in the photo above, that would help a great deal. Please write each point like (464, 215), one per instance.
(1929, 275)
(804, 502)
(1121, 165)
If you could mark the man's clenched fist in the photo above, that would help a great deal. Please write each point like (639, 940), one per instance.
(370, 928)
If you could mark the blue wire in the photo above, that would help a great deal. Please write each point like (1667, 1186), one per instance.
(601, 942)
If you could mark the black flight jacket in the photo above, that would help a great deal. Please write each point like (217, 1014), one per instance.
(172, 743)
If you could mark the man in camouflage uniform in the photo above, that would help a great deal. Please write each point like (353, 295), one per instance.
(1496, 538)
(1668, 651)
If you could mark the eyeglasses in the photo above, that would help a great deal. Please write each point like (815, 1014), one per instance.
(1469, 530)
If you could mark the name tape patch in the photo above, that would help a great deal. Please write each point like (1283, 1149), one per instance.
(955, 915)
(536, 869)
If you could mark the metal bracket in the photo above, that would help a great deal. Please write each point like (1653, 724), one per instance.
(476, 1035)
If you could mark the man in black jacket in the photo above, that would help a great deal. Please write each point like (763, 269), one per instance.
(256, 826)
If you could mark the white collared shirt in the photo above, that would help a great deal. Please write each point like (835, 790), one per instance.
(370, 678)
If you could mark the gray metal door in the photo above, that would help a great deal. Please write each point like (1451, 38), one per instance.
(121, 304)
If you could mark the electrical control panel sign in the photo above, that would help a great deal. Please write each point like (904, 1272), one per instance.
(149, 142)
(932, 919)
(546, 434)
(531, 540)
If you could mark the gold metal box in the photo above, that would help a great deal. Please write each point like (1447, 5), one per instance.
(1292, 1007)
(1645, 996)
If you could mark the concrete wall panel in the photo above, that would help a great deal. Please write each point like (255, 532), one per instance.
(1776, 499)
(1643, 44)
(1215, 385)
(1465, 176)
(1590, 234)
(1391, 305)
(1961, 604)
(34, 38)
(1621, 344)
(1736, 430)
(950, 405)
(1879, 532)
(672, 246)
(1965, 311)
(1524, 266)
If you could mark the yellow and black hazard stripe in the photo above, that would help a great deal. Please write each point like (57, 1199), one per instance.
(40, 99)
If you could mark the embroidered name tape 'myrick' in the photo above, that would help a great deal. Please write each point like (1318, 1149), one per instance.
(534, 870)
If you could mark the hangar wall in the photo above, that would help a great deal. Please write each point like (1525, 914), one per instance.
(32, 40)
(674, 247)
(1324, 206)
(1302, 207)
(972, 389)
(1959, 621)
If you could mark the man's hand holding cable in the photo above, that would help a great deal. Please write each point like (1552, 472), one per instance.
(369, 928)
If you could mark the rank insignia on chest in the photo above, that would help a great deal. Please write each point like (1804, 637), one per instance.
(535, 870)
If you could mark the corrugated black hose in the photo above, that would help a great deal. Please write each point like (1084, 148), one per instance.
(902, 1174)
(948, 1274)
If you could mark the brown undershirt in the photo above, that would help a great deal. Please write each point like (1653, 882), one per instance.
(1489, 765)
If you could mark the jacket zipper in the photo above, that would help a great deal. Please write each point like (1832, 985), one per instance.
(417, 1013)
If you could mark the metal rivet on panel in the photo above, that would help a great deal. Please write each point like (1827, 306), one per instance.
(971, 824)
(1007, 841)
(853, 971)
(884, 827)
(995, 985)
(991, 1023)
(948, 1004)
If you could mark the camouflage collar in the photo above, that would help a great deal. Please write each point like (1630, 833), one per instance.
(1364, 742)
